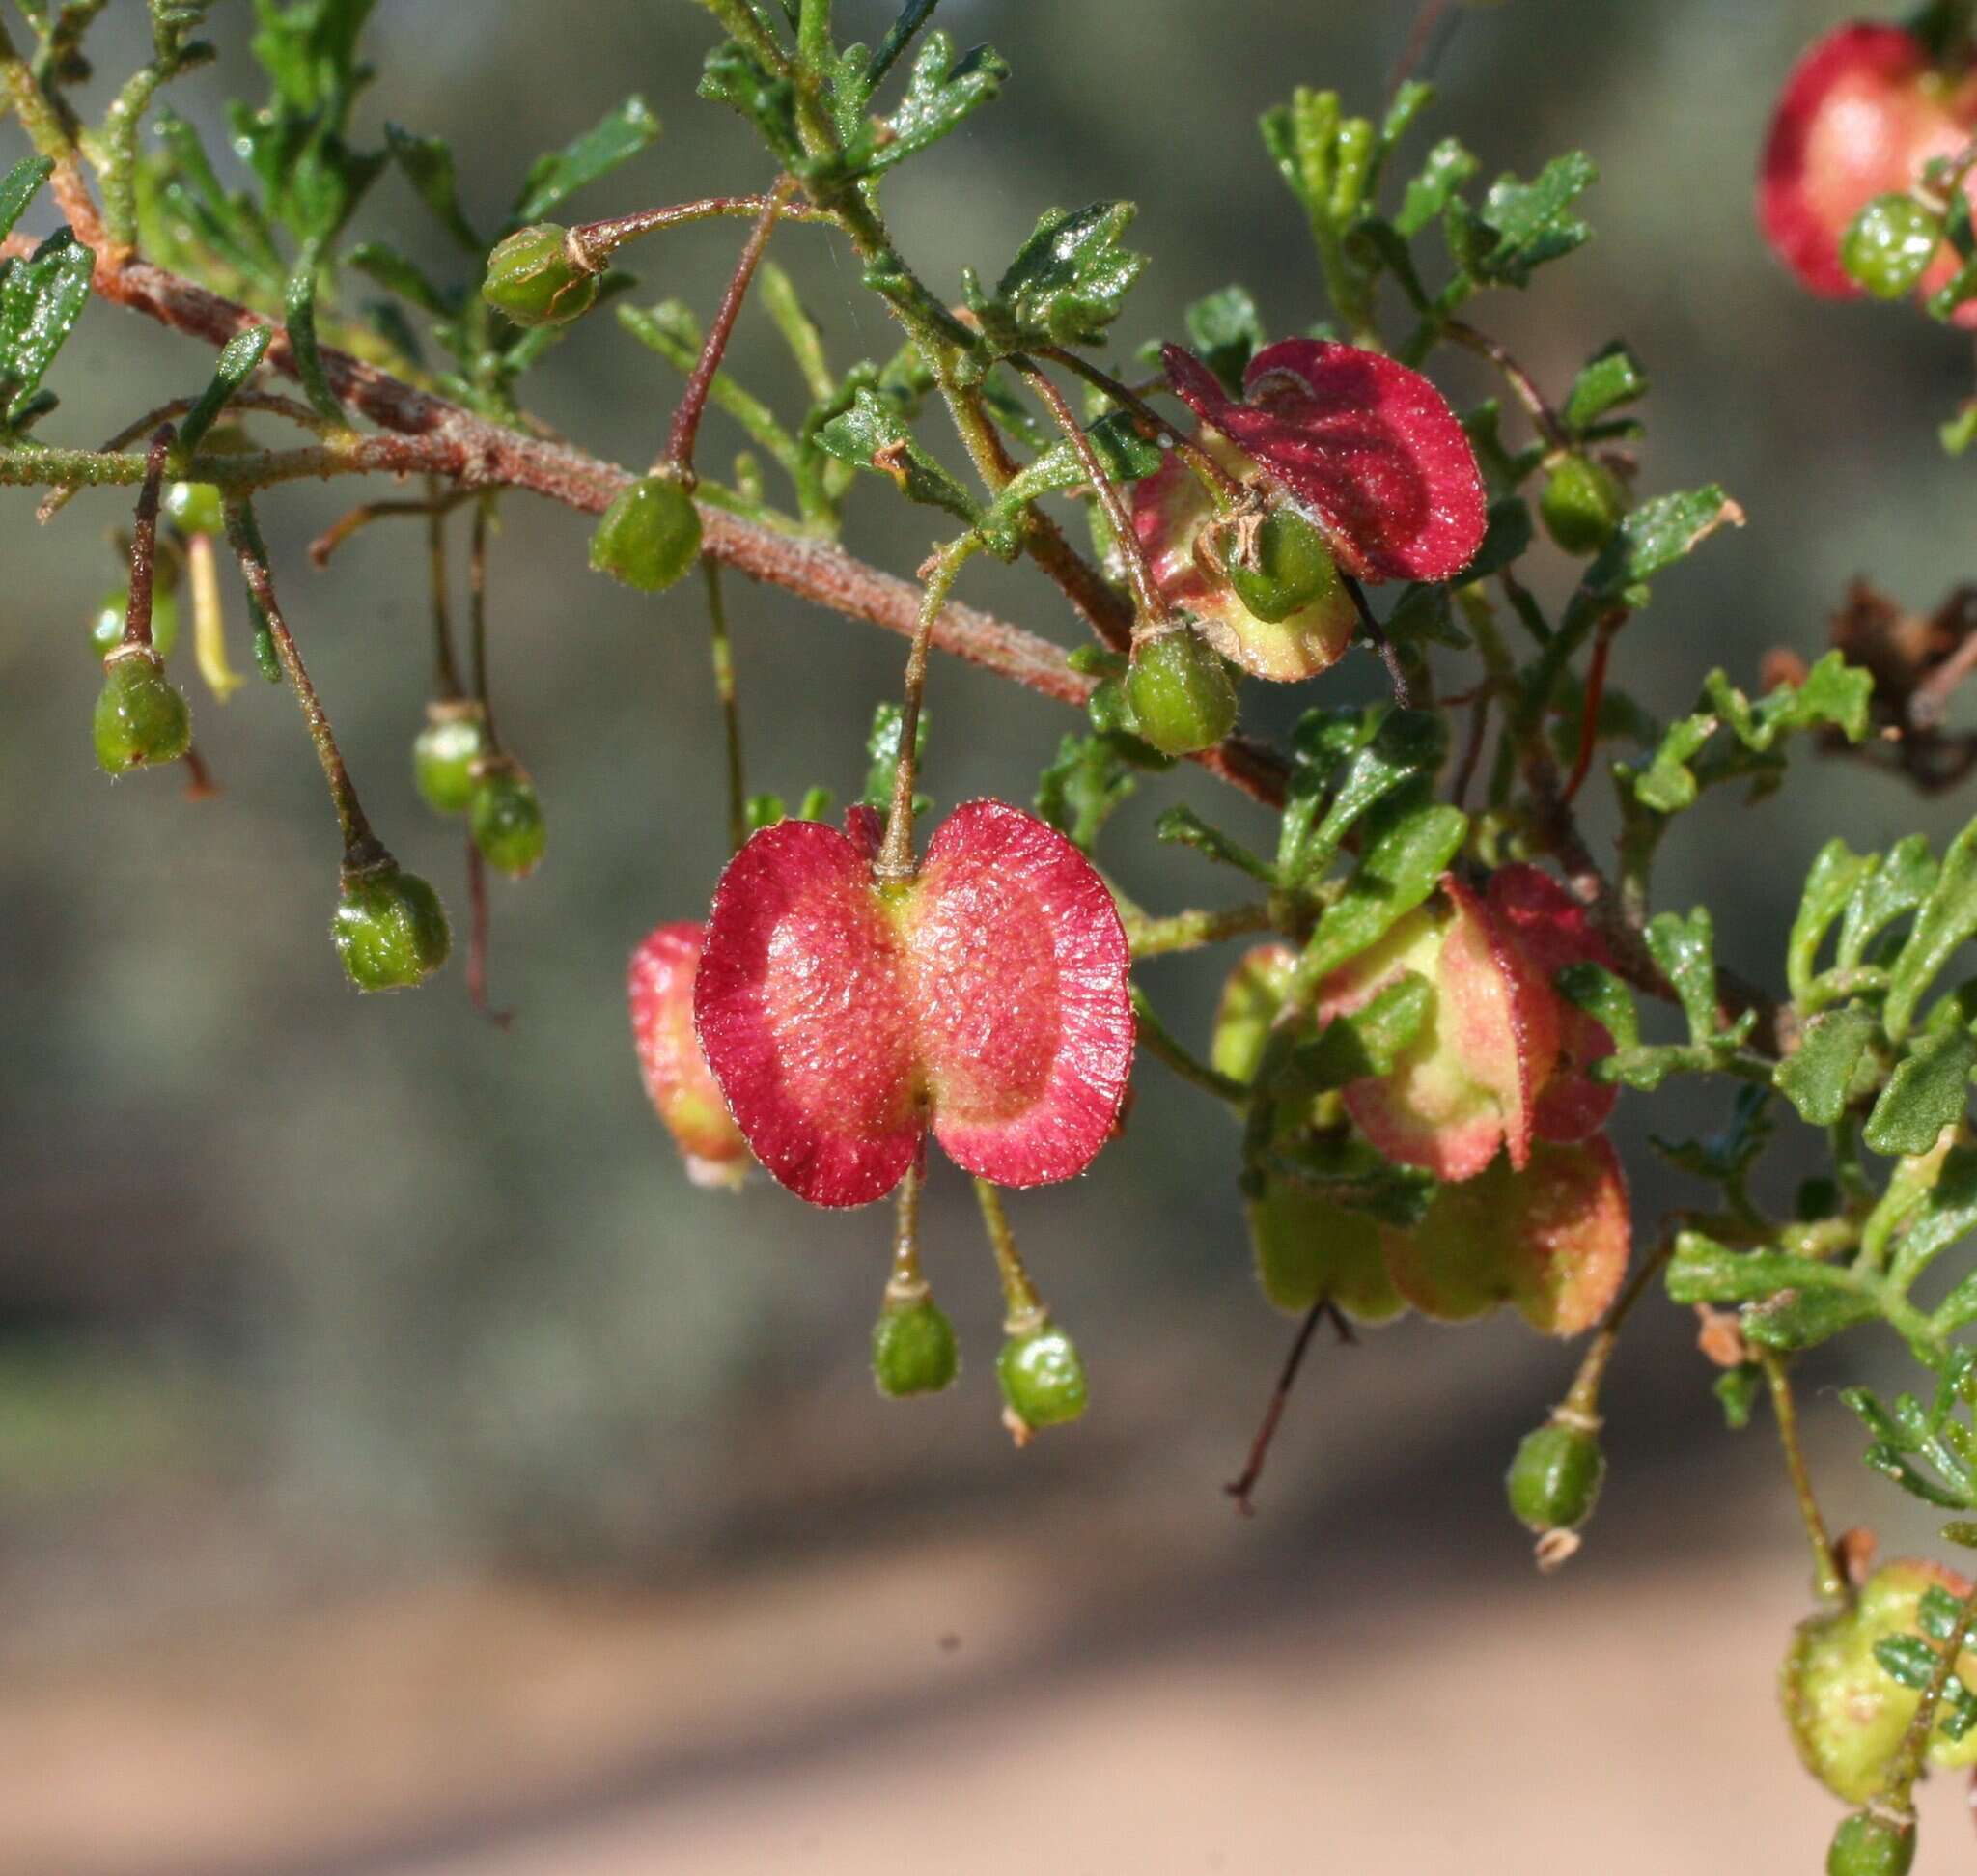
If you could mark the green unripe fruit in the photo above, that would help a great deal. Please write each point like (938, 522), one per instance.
(914, 1349)
(1289, 567)
(106, 629)
(1869, 1846)
(141, 716)
(444, 754)
(1180, 694)
(1042, 1378)
(1890, 244)
(390, 929)
(1846, 1712)
(505, 818)
(535, 280)
(195, 508)
(1554, 1480)
(1582, 504)
(649, 536)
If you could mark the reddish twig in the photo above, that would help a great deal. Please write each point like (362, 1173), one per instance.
(1240, 1488)
(144, 540)
(680, 440)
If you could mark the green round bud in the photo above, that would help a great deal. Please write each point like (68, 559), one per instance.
(505, 818)
(106, 629)
(649, 536)
(535, 280)
(1868, 1844)
(914, 1349)
(195, 508)
(141, 715)
(390, 929)
(1042, 1378)
(1180, 694)
(1582, 503)
(1288, 565)
(1554, 1480)
(444, 754)
(1889, 245)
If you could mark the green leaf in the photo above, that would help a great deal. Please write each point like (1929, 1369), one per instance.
(1406, 745)
(617, 136)
(239, 358)
(1725, 1157)
(1944, 920)
(1181, 826)
(1448, 167)
(941, 92)
(1409, 840)
(1899, 882)
(913, 16)
(1669, 784)
(872, 434)
(1803, 1319)
(1816, 1080)
(428, 166)
(732, 77)
(1605, 998)
(1087, 784)
(1655, 536)
(1685, 949)
(1226, 333)
(1532, 222)
(1610, 378)
(1505, 540)
(41, 300)
(1927, 1090)
(17, 188)
(1122, 453)
(1349, 1173)
(1836, 871)
(394, 272)
(1367, 1043)
(1948, 1213)
(1067, 283)
(1736, 1390)
(1833, 692)
(1703, 1270)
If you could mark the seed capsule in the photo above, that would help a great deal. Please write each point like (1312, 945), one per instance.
(141, 717)
(649, 537)
(533, 278)
(1180, 694)
(390, 929)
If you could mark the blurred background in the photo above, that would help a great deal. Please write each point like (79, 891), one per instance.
(402, 1469)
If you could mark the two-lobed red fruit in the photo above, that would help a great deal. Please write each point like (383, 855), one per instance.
(984, 999)
(660, 985)
(1365, 471)
(1862, 113)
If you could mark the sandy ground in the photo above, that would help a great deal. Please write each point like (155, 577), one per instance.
(1112, 1687)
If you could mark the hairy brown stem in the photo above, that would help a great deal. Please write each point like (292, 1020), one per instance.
(144, 541)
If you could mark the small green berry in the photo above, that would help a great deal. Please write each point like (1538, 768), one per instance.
(106, 629)
(1554, 1480)
(390, 929)
(141, 716)
(1180, 692)
(196, 508)
(649, 536)
(1869, 1844)
(506, 818)
(535, 280)
(914, 1349)
(1582, 503)
(1288, 565)
(1890, 244)
(1042, 1378)
(444, 754)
